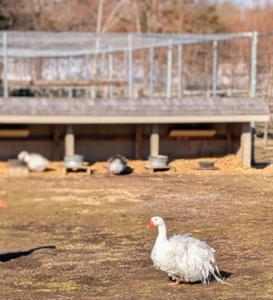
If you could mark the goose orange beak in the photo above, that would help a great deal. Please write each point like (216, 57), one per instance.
(3, 204)
(150, 224)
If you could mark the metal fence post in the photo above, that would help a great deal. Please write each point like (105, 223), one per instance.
(130, 66)
(125, 72)
(5, 64)
(254, 54)
(87, 73)
(70, 89)
(180, 71)
(151, 72)
(215, 63)
(103, 64)
(169, 70)
(110, 70)
(253, 84)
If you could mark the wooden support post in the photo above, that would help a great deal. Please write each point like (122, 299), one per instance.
(138, 142)
(154, 141)
(246, 144)
(69, 141)
(56, 143)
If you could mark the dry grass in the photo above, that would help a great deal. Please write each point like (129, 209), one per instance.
(98, 225)
(226, 164)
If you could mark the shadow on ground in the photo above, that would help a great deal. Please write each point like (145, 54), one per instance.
(13, 255)
(260, 165)
(224, 275)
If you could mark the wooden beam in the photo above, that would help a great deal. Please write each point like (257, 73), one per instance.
(124, 119)
(14, 133)
(138, 142)
(68, 82)
(120, 138)
(193, 132)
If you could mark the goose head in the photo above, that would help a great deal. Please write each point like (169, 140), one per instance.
(155, 221)
(23, 156)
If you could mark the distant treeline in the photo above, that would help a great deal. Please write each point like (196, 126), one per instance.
(161, 16)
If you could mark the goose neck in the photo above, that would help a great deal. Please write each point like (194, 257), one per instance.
(162, 232)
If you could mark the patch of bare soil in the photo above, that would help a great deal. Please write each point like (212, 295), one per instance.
(98, 225)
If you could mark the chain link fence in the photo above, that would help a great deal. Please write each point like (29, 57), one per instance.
(138, 65)
(142, 65)
(264, 131)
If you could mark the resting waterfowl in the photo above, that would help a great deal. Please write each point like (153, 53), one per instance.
(183, 257)
(34, 161)
(117, 164)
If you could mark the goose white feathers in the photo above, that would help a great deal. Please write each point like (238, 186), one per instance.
(183, 257)
(34, 161)
(117, 164)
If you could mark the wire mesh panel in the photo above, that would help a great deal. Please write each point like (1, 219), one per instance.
(264, 131)
(84, 64)
(170, 65)
(131, 65)
(234, 67)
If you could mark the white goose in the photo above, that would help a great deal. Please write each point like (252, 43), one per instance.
(35, 162)
(183, 257)
(117, 164)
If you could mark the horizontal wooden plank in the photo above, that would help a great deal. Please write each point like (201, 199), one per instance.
(14, 132)
(120, 138)
(194, 138)
(192, 132)
(69, 82)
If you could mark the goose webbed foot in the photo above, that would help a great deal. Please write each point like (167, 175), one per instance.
(174, 283)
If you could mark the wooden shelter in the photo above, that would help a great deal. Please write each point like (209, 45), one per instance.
(136, 128)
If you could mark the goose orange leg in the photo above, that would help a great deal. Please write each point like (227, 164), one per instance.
(174, 283)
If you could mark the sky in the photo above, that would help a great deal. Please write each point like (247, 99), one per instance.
(250, 2)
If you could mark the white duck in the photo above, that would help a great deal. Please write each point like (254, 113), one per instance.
(35, 162)
(183, 257)
(117, 164)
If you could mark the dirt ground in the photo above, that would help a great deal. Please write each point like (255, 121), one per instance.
(97, 225)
